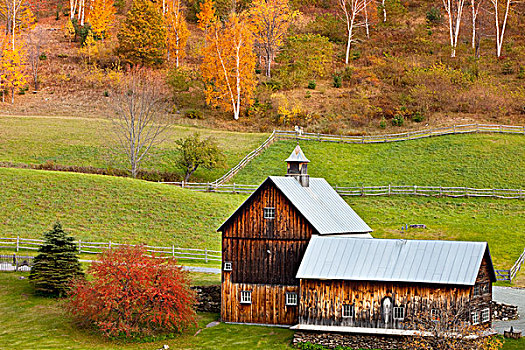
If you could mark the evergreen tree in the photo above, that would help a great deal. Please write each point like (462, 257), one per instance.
(56, 264)
(142, 35)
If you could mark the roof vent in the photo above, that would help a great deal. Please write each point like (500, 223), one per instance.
(298, 166)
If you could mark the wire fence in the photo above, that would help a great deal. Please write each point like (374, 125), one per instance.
(387, 190)
(85, 247)
(366, 139)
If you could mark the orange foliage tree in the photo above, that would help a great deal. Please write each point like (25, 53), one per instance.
(177, 32)
(228, 65)
(206, 16)
(134, 295)
(271, 19)
(101, 17)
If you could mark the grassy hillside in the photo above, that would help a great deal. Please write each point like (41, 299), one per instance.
(90, 142)
(124, 210)
(482, 161)
(106, 208)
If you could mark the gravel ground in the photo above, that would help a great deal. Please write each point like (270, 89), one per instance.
(513, 296)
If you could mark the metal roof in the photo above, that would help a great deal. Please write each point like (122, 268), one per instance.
(320, 205)
(443, 262)
(297, 156)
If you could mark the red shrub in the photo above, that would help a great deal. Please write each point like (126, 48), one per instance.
(133, 295)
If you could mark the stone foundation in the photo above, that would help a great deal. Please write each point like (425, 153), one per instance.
(355, 341)
(504, 312)
(208, 298)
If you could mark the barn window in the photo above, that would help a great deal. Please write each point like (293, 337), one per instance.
(399, 313)
(435, 314)
(475, 317)
(291, 299)
(476, 290)
(485, 288)
(485, 315)
(269, 213)
(348, 310)
(228, 266)
(246, 297)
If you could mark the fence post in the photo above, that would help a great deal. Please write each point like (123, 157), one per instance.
(109, 245)
(454, 128)
(173, 250)
(234, 188)
(206, 255)
(79, 246)
(17, 243)
(389, 189)
(363, 137)
(362, 190)
(415, 189)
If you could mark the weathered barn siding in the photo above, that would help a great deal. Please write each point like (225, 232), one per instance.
(263, 250)
(268, 303)
(484, 299)
(321, 302)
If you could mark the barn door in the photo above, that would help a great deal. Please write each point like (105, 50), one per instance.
(386, 310)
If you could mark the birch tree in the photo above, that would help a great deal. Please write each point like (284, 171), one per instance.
(77, 8)
(177, 32)
(18, 17)
(499, 22)
(271, 19)
(137, 123)
(475, 6)
(353, 11)
(454, 10)
(228, 65)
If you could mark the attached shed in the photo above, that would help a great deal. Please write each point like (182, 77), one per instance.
(387, 286)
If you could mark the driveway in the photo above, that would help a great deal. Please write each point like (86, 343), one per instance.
(513, 296)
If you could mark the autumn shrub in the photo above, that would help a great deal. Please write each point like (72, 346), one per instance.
(133, 295)
(328, 25)
(193, 114)
(303, 58)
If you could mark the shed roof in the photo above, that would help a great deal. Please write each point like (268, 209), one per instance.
(320, 205)
(297, 156)
(443, 262)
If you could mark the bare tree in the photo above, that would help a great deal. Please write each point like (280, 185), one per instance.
(475, 6)
(35, 40)
(352, 10)
(454, 10)
(500, 25)
(138, 125)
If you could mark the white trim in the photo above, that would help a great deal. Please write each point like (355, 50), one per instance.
(269, 213)
(291, 299)
(246, 296)
(350, 311)
(398, 309)
(227, 266)
(474, 315)
(485, 315)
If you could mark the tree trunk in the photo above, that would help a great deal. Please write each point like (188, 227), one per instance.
(384, 10)
(12, 95)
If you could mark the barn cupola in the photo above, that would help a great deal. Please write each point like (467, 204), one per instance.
(298, 166)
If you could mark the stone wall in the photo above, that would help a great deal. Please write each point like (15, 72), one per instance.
(208, 298)
(355, 341)
(504, 312)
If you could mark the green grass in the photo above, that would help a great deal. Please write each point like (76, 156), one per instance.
(90, 142)
(477, 160)
(104, 208)
(30, 322)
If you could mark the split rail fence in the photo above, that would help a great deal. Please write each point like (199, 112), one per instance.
(388, 190)
(84, 247)
(509, 275)
(381, 138)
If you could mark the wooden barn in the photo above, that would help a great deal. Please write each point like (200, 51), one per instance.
(295, 254)
(264, 241)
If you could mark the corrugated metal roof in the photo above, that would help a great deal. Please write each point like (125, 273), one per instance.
(321, 205)
(297, 156)
(443, 262)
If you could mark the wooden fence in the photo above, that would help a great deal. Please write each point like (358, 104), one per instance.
(365, 139)
(15, 262)
(85, 247)
(509, 275)
(388, 190)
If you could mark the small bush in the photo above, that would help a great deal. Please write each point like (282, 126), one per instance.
(398, 120)
(178, 80)
(308, 94)
(273, 84)
(507, 69)
(418, 117)
(434, 15)
(338, 81)
(311, 85)
(382, 123)
(521, 72)
(106, 93)
(329, 26)
(42, 56)
(193, 114)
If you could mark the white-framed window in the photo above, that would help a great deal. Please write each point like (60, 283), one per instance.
(399, 313)
(348, 311)
(246, 297)
(475, 317)
(227, 266)
(291, 299)
(485, 315)
(476, 290)
(269, 213)
(435, 314)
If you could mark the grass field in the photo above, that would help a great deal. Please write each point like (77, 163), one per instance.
(90, 142)
(475, 160)
(107, 208)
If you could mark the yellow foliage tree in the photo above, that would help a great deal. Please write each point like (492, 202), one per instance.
(206, 15)
(90, 48)
(69, 30)
(271, 19)
(177, 32)
(12, 72)
(228, 65)
(101, 17)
